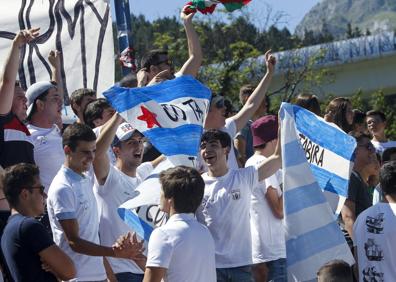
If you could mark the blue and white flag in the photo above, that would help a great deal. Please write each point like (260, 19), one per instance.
(171, 115)
(314, 157)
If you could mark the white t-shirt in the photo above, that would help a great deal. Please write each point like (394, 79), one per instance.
(185, 248)
(71, 197)
(110, 152)
(268, 232)
(48, 152)
(381, 146)
(117, 189)
(375, 239)
(225, 211)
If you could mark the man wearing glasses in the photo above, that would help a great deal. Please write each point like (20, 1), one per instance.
(157, 67)
(115, 184)
(25, 243)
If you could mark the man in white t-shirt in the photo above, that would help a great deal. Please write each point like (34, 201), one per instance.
(73, 212)
(115, 184)
(216, 115)
(182, 249)
(44, 110)
(226, 204)
(376, 124)
(266, 211)
(375, 233)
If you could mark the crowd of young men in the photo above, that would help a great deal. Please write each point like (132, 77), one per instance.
(225, 220)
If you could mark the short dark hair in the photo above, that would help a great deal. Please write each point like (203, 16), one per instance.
(94, 110)
(215, 134)
(77, 132)
(152, 58)
(185, 186)
(78, 95)
(387, 178)
(16, 178)
(358, 116)
(377, 113)
(335, 271)
(309, 102)
(246, 90)
(130, 81)
(387, 154)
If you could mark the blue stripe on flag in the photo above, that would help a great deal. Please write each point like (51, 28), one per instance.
(123, 99)
(330, 182)
(313, 242)
(142, 229)
(321, 133)
(303, 197)
(294, 154)
(182, 140)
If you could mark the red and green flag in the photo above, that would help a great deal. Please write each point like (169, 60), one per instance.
(208, 6)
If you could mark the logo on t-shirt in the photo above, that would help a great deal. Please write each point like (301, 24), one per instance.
(236, 194)
(375, 224)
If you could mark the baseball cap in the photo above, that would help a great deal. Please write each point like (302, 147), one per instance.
(264, 130)
(36, 90)
(124, 132)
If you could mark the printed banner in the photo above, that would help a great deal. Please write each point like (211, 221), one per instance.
(171, 115)
(313, 237)
(80, 30)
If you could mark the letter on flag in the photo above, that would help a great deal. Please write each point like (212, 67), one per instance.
(309, 147)
(171, 115)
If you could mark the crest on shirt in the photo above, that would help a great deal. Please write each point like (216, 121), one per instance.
(236, 194)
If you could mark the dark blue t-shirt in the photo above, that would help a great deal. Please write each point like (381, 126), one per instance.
(22, 241)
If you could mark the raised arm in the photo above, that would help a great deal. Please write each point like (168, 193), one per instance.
(192, 65)
(54, 58)
(256, 98)
(101, 163)
(7, 80)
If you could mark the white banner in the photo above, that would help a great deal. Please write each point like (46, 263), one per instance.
(81, 30)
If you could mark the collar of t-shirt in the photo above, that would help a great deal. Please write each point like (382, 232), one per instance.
(181, 217)
(72, 174)
(214, 178)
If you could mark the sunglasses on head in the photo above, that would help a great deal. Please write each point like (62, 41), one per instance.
(369, 146)
(166, 61)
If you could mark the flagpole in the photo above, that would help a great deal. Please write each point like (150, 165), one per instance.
(123, 21)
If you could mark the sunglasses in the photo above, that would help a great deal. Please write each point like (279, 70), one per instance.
(218, 101)
(41, 188)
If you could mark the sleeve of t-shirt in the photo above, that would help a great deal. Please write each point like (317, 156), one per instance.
(144, 170)
(160, 249)
(244, 132)
(353, 187)
(34, 234)
(230, 127)
(110, 183)
(249, 176)
(64, 204)
(274, 182)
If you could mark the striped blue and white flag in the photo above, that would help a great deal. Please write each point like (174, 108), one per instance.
(171, 115)
(314, 154)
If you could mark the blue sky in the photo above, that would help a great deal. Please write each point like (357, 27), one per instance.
(295, 9)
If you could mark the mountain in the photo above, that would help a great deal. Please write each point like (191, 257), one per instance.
(334, 15)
